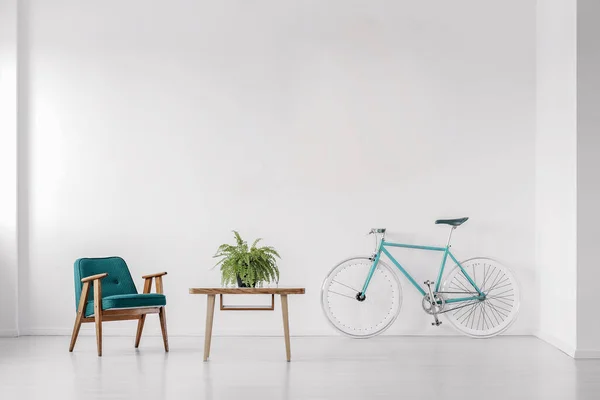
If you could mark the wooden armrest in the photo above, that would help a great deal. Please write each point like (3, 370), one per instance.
(94, 277)
(156, 275)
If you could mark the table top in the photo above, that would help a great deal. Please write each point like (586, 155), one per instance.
(224, 290)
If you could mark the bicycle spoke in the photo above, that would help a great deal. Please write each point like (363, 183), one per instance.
(484, 324)
(472, 302)
(458, 310)
(501, 301)
(474, 313)
(496, 314)
(349, 287)
(467, 285)
(464, 287)
(487, 317)
(494, 280)
(503, 309)
(465, 316)
(484, 275)
(479, 319)
(469, 311)
(499, 313)
(344, 295)
(474, 293)
(463, 276)
(500, 287)
(501, 297)
(497, 283)
(497, 308)
(457, 288)
(486, 279)
(507, 291)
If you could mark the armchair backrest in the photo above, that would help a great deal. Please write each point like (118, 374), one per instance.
(118, 281)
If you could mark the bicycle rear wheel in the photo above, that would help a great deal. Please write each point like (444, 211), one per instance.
(482, 318)
(349, 315)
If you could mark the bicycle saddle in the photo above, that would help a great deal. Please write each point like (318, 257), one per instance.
(452, 222)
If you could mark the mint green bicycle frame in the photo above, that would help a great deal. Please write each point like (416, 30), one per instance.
(447, 252)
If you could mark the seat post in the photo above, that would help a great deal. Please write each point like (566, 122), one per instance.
(450, 236)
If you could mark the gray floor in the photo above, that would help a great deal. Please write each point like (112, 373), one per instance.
(321, 368)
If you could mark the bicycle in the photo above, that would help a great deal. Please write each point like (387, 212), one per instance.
(480, 296)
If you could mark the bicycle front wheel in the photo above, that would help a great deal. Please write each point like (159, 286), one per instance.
(351, 316)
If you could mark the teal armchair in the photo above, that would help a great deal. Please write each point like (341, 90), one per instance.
(104, 291)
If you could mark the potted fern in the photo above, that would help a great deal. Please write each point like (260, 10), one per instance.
(247, 265)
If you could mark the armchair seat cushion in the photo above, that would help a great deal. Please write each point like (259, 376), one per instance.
(128, 301)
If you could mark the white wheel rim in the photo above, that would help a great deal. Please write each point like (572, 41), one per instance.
(491, 317)
(361, 319)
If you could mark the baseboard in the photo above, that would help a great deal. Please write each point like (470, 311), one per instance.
(559, 344)
(88, 332)
(9, 333)
(148, 331)
(580, 354)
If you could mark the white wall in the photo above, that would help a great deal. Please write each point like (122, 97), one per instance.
(154, 129)
(8, 168)
(588, 187)
(556, 171)
(567, 189)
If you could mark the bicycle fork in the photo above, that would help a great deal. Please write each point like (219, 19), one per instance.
(433, 303)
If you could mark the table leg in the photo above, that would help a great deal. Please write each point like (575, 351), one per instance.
(210, 312)
(286, 326)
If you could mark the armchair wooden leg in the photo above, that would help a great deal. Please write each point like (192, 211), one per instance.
(162, 315)
(75, 331)
(98, 315)
(140, 328)
(80, 311)
(98, 318)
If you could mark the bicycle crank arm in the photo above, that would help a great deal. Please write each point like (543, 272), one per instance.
(433, 304)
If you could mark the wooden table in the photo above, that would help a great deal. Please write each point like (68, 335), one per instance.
(210, 309)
